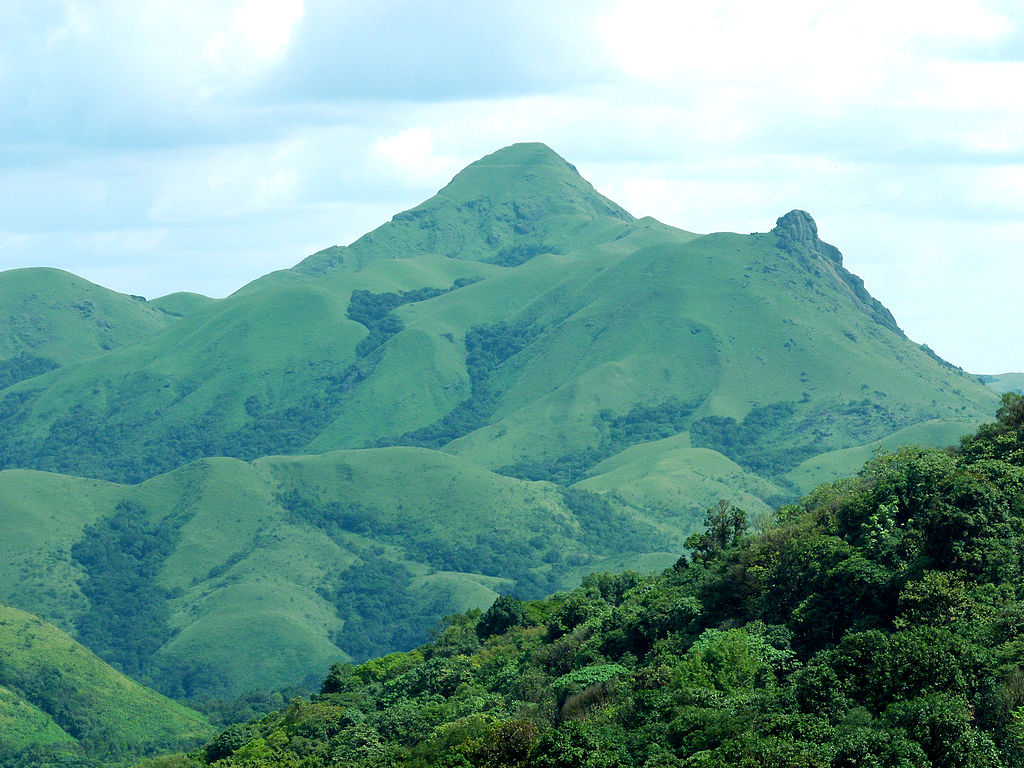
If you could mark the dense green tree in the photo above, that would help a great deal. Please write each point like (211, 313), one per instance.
(877, 622)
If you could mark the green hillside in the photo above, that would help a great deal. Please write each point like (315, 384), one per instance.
(522, 321)
(876, 622)
(60, 705)
(182, 303)
(224, 576)
(1004, 382)
(50, 318)
(504, 388)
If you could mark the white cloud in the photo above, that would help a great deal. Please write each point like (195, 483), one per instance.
(195, 145)
(225, 183)
(252, 37)
(410, 159)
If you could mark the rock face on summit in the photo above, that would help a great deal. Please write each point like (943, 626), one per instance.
(797, 226)
(797, 234)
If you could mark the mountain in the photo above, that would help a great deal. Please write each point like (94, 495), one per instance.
(503, 388)
(49, 318)
(518, 319)
(224, 576)
(61, 705)
(1004, 382)
(876, 622)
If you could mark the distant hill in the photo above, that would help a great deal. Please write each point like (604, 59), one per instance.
(49, 318)
(523, 321)
(61, 705)
(511, 384)
(225, 576)
(182, 303)
(1004, 382)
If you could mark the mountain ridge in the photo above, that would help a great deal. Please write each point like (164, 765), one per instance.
(589, 370)
(505, 196)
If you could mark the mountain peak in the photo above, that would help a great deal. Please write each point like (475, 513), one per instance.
(507, 207)
(525, 153)
(797, 235)
(526, 173)
(797, 226)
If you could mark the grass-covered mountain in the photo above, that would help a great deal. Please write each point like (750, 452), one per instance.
(226, 576)
(49, 318)
(875, 622)
(1004, 382)
(520, 320)
(511, 384)
(61, 705)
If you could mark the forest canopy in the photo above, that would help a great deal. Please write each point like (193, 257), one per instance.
(876, 622)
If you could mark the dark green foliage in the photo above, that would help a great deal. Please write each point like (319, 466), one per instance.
(47, 756)
(1004, 438)
(505, 612)
(606, 529)
(240, 709)
(564, 470)
(515, 255)
(645, 423)
(376, 311)
(379, 608)
(23, 366)
(336, 519)
(641, 424)
(724, 525)
(878, 622)
(748, 443)
(121, 556)
(229, 741)
(755, 442)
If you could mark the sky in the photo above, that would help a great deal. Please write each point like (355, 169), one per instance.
(183, 145)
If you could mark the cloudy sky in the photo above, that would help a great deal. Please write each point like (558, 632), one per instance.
(194, 145)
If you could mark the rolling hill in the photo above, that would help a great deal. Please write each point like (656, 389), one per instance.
(49, 318)
(224, 576)
(503, 388)
(875, 622)
(1004, 382)
(61, 705)
(518, 318)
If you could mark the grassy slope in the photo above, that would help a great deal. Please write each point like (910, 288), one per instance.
(873, 623)
(247, 576)
(55, 692)
(22, 724)
(674, 482)
(831, 466)
(1005, 382)
(627, 312)
(42, 515)
(62, 317)
(182, 303)
(725, 319)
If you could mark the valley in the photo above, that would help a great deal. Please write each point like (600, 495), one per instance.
(506, 388)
